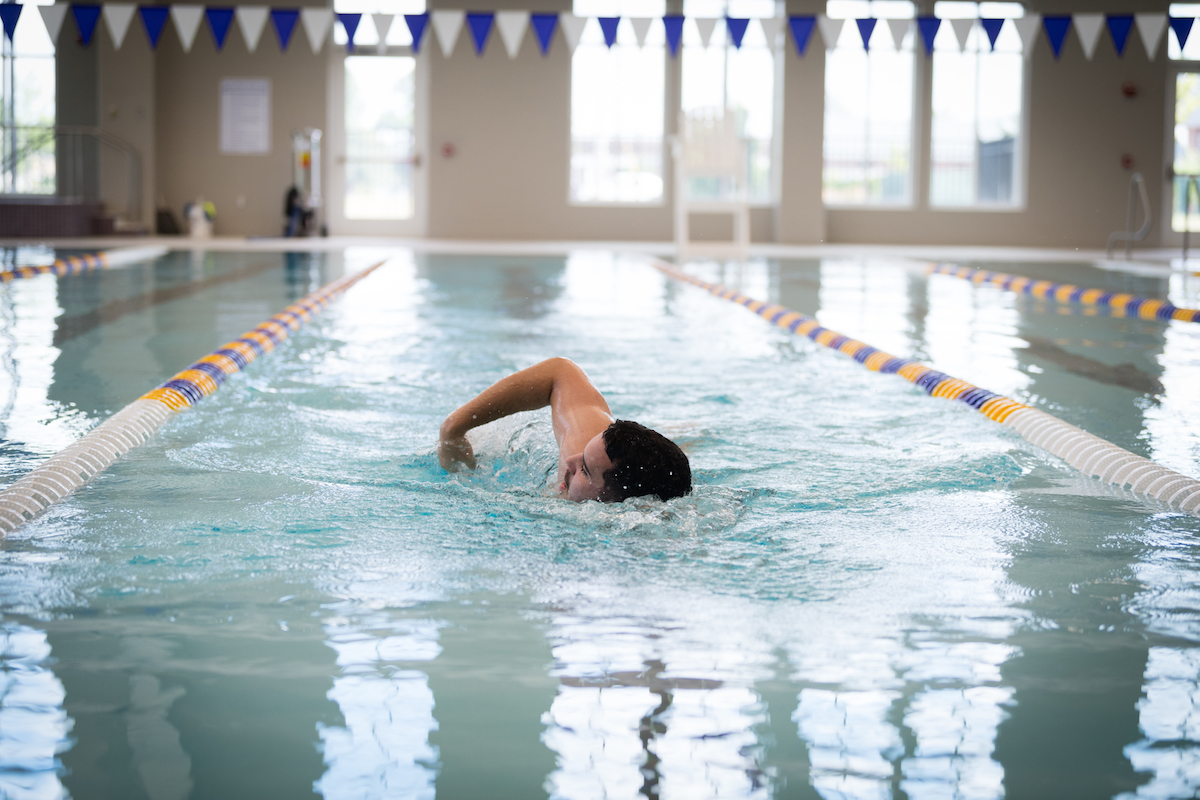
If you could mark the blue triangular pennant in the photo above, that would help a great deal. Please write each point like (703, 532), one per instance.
(543, 26)
(218, 22)
(673, 25)
(928, 26)
(737, 30)
(992, 28)
(86, 17)
(1119, 26)
(865, 28)
(9, 13)
(417, 25)
(284, 22)
(153, 20)
(1056, 27)
(481, 25)
(802, 28)
(608, 26)
(350, 23)
(1182, 27)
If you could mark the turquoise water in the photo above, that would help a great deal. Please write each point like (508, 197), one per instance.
(871, 593)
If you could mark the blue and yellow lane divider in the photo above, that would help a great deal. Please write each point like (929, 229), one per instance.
(133, 425)
(88, 262)
(1090, 454)
(1119, 303)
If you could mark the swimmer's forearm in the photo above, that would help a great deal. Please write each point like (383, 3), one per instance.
(527, 390)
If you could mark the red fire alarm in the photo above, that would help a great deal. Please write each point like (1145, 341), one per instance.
(1129, 89)
(448, 150)
(1126, 161)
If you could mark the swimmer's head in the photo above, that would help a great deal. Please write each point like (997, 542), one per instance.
(644, 462)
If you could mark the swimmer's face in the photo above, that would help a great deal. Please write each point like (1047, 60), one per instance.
(584, 479)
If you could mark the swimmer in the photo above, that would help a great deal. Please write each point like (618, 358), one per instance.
(599, 458)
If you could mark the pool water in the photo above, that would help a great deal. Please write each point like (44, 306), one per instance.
(871, 593)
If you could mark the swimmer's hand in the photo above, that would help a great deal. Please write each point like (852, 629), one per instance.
(455, 451)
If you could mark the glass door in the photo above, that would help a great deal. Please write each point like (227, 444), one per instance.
(1185, 154)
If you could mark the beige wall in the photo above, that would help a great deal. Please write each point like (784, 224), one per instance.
(509, 123)
(126, 111)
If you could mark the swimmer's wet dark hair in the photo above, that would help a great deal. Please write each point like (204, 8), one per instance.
(644, 462)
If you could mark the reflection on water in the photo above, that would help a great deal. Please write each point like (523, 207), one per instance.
(34, 727)
(1169, 716)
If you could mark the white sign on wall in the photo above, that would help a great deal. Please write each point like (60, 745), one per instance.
(245, 115)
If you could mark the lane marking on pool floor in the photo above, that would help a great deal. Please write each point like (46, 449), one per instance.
(133, 425)
(1124, 305)
(88, 262)
(1091, 455)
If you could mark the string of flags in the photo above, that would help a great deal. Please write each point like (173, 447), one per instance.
(447, 26)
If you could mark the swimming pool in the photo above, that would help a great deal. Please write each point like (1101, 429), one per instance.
(871, 593)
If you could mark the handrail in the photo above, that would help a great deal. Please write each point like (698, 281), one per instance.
(133, 210)
(1127, 236)
(1187, 207)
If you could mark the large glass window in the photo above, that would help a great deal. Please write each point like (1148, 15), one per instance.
(977, 102)
(27, 114)
(617, 97)
(868, 108)
(741, 81)
(380, 144)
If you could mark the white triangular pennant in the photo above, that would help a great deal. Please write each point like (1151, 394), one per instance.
(899, 29)
(572, 29)
(317, 22)
(512, 26)
(706, 26)
(771, 27)
(187, 22)
(1087, 28)
(447, 25)
(831, 29)
(1151, 27)
(52, 18)
(1027, 28)
(117, 17)
(251, 21)
(641, 27)
(962, 30)
(383, 26)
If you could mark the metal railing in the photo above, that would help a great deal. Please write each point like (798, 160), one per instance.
(76, 153)
(1189, 185)
(1128, 236)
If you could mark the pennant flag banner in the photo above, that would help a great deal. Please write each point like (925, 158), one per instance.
(1119, 26)
(673, 27)
(608, 26)
(52, 18)
(1182, 27)
(284, 21)
(802, 28)
(219, 20)
(350, 25)
(512, 25)
(481, 27)
(86, 18)
(543, 27)
(992, 28)
(865, 28)
(417, 24)
(153, 20)
(737, 30)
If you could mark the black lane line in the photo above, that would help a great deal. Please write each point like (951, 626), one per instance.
(79, 324)
(1126, 375)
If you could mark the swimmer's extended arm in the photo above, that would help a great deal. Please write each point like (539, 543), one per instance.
(578, 409)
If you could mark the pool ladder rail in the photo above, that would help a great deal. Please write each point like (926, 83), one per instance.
(1091, 455)
(1137, 185)
(133, 425)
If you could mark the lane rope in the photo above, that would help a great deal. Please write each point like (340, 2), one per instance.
(1123, 305)
(133, 425)
(68, 265)
(1091, 455)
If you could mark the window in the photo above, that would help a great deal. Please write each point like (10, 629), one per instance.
(722, 76)
(977, 101)
(617, 107)
(27, 114)
(868, 108)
